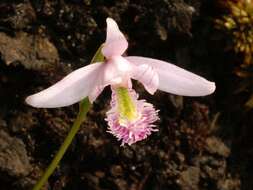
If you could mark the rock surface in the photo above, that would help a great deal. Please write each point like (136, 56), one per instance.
(188, 152)
(14, 160)
(34, 52)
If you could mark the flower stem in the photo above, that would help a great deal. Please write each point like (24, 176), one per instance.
(83, 109)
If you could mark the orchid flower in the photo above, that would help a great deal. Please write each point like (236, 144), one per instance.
(129, 119)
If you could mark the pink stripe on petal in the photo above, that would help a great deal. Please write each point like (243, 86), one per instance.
(176, 80)
(116, 43)
(71, 89)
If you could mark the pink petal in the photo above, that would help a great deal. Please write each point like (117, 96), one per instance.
(176, 80)
(115, 72)
(147, 76)
(95, 93)
(116, 43)
(71, 89)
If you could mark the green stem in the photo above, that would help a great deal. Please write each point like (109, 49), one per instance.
(84, 106)
(83, 109)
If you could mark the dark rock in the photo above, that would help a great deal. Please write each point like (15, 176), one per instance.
(22, 123)
(116, 171)
(216, 146)
(24, 15)
(189, 179)
(33, 52)
(184, 154)
(229, 184)
(13, 156)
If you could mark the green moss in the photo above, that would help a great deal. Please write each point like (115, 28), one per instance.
(238, 22)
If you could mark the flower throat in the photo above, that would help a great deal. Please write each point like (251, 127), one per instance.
(126, 107)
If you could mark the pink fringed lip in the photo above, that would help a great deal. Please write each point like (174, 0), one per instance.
(132, 131)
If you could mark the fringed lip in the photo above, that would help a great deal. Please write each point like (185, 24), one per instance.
(131, 131)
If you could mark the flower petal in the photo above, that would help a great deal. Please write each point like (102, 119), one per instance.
(115, 72)
(95, 93)
(176, 80)
(147, 76)
(116, 43)
(71, 89)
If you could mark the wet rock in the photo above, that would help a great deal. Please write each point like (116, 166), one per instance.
(13, 156)
(32, 51)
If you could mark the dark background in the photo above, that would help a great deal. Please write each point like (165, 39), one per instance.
(203, 143)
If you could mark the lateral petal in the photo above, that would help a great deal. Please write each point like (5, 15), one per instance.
(71, 89)
(176, 80)
(147, 76)
(116, 43)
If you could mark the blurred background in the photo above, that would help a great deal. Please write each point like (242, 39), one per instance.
(203, 143)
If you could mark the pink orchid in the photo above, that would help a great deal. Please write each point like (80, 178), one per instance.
(130, 119)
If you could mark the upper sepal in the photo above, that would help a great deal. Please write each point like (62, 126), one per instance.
(116, 43)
